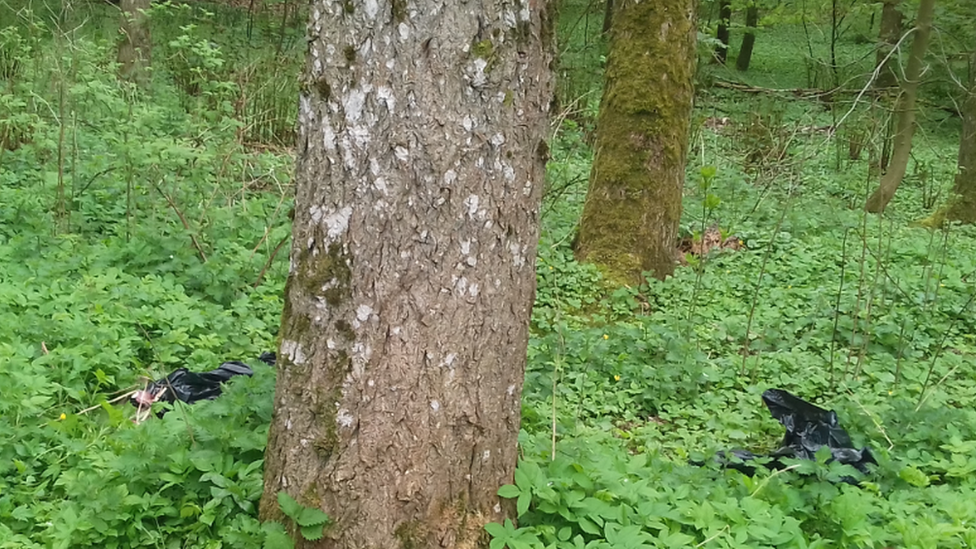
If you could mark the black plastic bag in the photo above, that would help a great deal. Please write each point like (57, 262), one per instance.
(808, 429)
(190, 387)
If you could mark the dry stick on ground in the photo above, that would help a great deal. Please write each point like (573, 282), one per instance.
(116, 399)
(870, 301)
(182, 217)
(770, 477)
(856, 313)
(762, 272)
(267, 232)
(877, 423)
(938, 352)
(866, 88)
(708, 540)
(840, 290)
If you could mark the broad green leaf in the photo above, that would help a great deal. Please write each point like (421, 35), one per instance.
(289, 506)
(312, 533)
(509, 491)
(524, 500)
(311, 517)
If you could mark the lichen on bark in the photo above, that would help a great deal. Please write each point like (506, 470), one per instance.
(633, 206)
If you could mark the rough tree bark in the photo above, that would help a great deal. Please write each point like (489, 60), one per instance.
(630, 219)
(963, 207)
(135, 45)
(905, 112)
(891, 28)
(748, 39)
(421, 161)
(722, 32)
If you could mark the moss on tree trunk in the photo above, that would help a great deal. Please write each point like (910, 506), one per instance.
(630, 220)
(964, 207)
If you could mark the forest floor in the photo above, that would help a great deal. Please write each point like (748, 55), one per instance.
(630, 393)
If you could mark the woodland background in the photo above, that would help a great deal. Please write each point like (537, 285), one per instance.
(143, 228)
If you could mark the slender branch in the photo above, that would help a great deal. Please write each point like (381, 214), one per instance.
(183, 220)
(267, 264)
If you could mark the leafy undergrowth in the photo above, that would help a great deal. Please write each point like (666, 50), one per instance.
(151, 246)
(155, 255)
(632, 392)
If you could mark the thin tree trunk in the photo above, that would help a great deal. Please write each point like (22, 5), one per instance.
(905, 112)
(135, 46)
(421, 162)
(748, 39)
(892, 22)
(630, 219)
(964, 206)
(835, 21)
(607, 16)
(722, 32)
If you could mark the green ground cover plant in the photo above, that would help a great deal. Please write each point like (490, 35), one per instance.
(144, 230)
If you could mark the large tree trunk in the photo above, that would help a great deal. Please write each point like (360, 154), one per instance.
(905, 112)
(135, 45)
(421, 162)
(630, 220)
(748, 39)
(722, 32)
(964, 205)
(889, 35)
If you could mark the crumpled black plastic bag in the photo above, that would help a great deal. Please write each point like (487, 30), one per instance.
(190, 387)
(808, 429)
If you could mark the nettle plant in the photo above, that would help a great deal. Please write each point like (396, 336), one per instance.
(307, 523)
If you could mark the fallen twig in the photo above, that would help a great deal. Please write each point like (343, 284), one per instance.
(114, 400)
(183, 220)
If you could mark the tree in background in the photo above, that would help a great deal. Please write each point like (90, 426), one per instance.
(607, 16)
(892, 22)
(905, 112)
(722, 32)
(421, 163)
(964, 207)
(630, 218)
(749, 38)
(135, 46)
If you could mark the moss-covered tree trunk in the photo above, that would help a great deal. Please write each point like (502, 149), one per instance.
(905, 112)
(888, 36)
(722, 32)
(744, 58)
(964, 205)
(403, 340)
(630, 219)
(135, 44)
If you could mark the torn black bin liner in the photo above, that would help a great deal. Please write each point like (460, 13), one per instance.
(191, 387)
(808, 429)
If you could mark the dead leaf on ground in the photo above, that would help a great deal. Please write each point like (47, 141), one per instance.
(710, 240)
